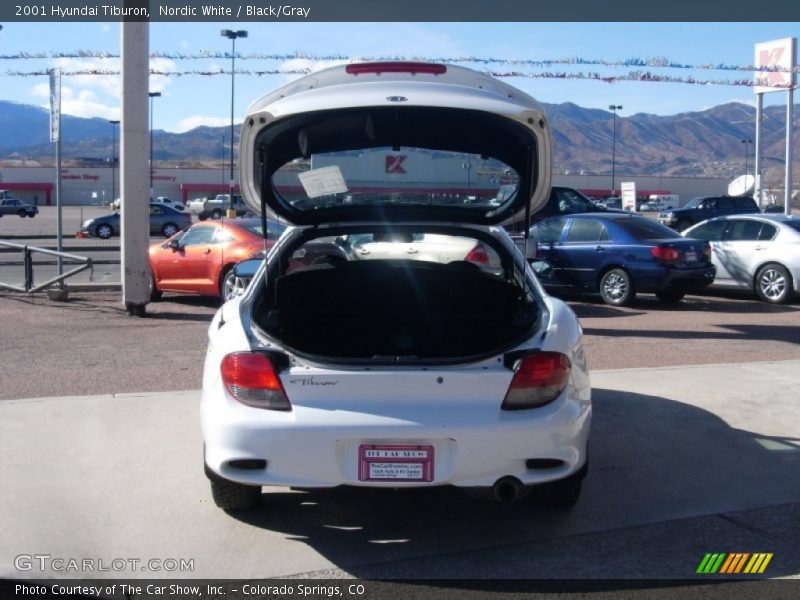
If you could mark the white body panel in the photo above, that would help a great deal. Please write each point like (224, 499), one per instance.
(475, 442)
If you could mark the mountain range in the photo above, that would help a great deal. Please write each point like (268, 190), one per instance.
(707, 143)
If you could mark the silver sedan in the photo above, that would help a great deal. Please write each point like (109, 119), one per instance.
(759, 252)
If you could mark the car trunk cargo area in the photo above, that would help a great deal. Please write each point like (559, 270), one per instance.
(394, 310)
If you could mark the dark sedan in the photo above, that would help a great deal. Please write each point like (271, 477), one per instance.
(164, 220)
(619, 255)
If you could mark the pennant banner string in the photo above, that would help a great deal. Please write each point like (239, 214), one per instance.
(654, 62)
(629, 76)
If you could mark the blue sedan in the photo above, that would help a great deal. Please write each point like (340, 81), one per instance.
(618, 255)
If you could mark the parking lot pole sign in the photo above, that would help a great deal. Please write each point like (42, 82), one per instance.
(55, 136)
(628, 189)
(777, 54)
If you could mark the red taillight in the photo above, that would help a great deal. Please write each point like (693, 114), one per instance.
(665, 253)
(395, 67)
(478, 255)
(251, 378)
(539, 378)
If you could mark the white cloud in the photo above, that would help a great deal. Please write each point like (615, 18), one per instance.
(79, 103)
(159, 83)
(98, 95)
(190, 123)
(111, 84)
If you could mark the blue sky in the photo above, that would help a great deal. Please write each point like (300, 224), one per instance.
(190, 101)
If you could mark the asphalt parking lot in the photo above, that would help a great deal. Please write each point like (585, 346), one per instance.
(695, 448)
(90, 346)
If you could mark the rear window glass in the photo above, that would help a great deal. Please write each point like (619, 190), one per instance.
(767, 232)
(645, 229)
(724, 203)
(399, 175)
(745, 202)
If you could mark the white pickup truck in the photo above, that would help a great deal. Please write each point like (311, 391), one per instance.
(215, 208)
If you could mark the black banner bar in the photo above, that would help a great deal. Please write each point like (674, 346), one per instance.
(398, 10)
(354, 589)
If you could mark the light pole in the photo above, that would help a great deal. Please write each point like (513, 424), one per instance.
(223, 160)
(614, 108)
(746, 143)
(114, 160)
(152, 95)
(232, 35)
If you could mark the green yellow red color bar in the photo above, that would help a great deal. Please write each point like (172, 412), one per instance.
(734, 563)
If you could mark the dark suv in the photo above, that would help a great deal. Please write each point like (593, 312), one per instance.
(567, 201)
(700, 209)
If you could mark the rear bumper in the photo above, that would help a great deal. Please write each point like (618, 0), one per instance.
(679, 279)
(312, 447)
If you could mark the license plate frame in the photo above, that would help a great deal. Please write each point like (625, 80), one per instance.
(690, 256)
(376, 458)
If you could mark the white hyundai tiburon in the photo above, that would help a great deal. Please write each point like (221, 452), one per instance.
(396, 337)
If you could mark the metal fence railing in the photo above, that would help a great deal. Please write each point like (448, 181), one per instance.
(27, 253)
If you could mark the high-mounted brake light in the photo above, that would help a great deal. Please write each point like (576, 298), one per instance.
(251, 378)
(395, 67)
(539, 378)
(478, 255)
(665, 253)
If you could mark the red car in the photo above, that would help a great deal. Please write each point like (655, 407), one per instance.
(200, 259)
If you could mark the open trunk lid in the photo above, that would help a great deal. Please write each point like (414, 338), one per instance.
(388, 142)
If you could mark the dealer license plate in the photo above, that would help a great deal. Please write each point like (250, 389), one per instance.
(379, 462)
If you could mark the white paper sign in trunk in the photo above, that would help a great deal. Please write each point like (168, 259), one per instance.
(778, 54)
(55, 104)
(628, 195)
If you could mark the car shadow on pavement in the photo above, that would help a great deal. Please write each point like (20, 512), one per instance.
(732, 332)
(589, 306)
(652, 460)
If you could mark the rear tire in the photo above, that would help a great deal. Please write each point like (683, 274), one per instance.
(561, 494)
(22, 213)
(616, 288)
(155, 293)
(670, 296)
(231, 496)
(774, 284)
